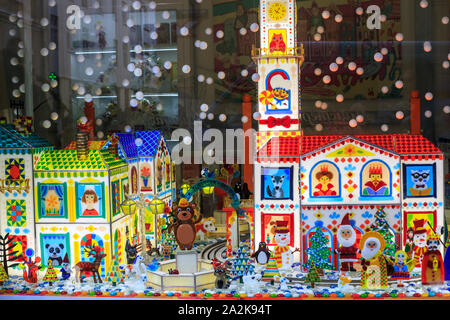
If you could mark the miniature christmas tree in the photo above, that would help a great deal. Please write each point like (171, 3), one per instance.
(313, 275)
(114, 274)
(382, 227)
(319, 252)
(242, 266)
(50, 275)
(271, 270)
(3, 275)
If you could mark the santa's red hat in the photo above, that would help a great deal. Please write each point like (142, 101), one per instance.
(346, 221)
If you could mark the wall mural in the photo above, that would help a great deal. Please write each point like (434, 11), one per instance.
(90, 200)
(278, 92)
(375, 180)
(268, 221)
(52, 200)
(276, 183)
(146, 176)
(54, 247)
(325, 180)
(420, 180)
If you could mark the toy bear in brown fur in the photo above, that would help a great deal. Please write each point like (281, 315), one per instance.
(184, 224)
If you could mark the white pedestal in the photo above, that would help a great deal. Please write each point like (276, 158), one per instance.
(187, 261)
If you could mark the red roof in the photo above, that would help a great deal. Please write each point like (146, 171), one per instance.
(403, 144)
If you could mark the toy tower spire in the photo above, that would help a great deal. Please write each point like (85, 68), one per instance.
(279, 60)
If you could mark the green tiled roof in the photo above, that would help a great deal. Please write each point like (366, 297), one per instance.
(55, 160)
(31, 141)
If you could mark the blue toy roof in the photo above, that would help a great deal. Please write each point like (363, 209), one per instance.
(127, 141)
(11, 139)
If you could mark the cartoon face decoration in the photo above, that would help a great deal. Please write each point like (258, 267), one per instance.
(420, 179)
(400, 257)
(420, 240)
(282, 239)
(432, 244)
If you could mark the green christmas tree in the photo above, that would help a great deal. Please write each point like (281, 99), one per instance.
(381, 226)
(50, 275)
(313, 275)
(319, 252)
(271, 270)
(114, 274)
(3, 275)
(242, 266)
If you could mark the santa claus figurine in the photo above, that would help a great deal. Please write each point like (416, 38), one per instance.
(283, 255)
(420, 243)
(432, 264)
(347, 250)
(373, 264)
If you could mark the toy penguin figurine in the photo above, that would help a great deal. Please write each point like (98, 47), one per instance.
(262, 255)
(65, 270)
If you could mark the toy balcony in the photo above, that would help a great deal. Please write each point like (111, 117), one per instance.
(202, 279)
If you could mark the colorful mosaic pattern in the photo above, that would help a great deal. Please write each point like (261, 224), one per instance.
(150, 142)
(115, 191)
(67, 160)
(32, 140)
(14, 170)
(16, 213)
(92, 145)
(18, 244)
(92, 240)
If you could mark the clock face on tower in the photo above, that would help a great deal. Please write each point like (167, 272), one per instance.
(277, 11)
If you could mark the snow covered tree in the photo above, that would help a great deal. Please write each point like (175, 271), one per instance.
(50, 275)
(241, 264)
(319, 252)
(381, 226)
(313, 275)
(3, 275)
(271, 270)
(114, 275)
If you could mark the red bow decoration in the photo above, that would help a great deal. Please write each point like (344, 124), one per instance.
(365, 263)
(274, 122)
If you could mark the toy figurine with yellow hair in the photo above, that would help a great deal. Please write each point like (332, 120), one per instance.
(402, 267)
(432, 264)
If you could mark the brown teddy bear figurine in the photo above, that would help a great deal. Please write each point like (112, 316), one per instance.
(184, 225)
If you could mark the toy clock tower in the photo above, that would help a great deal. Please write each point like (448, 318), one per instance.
(277, 165)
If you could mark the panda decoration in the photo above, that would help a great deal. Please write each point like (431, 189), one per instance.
(55, 252)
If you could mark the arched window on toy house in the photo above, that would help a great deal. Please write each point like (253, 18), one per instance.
(118, 247)
(376, 181)
(134, 180)
(92, 239)
(328, 235)
(325, 182)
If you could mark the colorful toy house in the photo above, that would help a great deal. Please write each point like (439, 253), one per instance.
(78, 197)
(150, 170)
(19, 150)
(302, 179)
(277, 163)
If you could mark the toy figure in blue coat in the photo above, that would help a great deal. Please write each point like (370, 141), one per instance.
(65, 270)
(375, 186)
(401, 267)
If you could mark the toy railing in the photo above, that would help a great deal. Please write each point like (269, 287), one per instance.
(10, 185)
(265, 53)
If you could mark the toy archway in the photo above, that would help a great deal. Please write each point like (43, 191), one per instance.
(241, 213)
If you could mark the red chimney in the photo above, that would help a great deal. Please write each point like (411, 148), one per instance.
(414, 103)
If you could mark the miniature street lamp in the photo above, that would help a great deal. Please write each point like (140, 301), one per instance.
(157, 206)
(128, 206)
